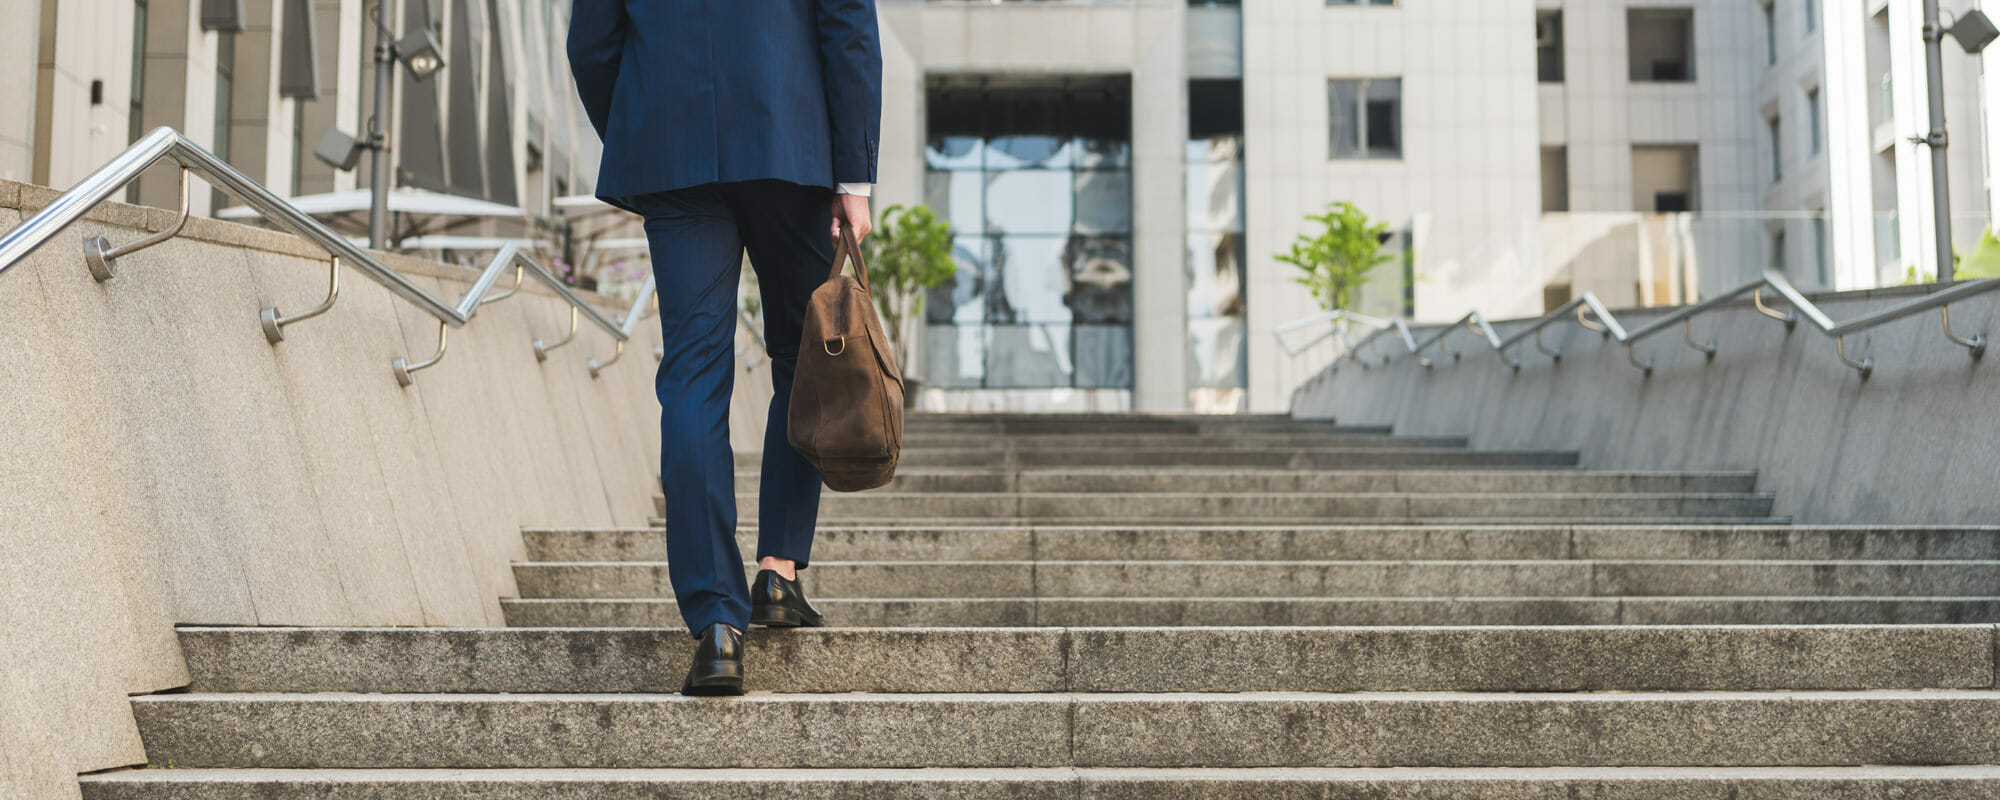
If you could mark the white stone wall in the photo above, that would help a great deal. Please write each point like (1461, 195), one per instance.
(168, 466)
(1468, 183)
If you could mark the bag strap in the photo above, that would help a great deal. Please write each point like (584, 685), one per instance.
(849, 249)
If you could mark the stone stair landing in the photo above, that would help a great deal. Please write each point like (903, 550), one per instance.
(1137, 607)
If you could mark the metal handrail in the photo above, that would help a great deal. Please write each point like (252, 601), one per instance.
(1591, 314)
(640, 306)
(165, 143)
(1333, 319)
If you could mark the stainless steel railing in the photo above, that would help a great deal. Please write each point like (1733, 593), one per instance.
(166, 144)
(1590, 313)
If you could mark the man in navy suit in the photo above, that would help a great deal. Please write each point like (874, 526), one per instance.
(732, 125)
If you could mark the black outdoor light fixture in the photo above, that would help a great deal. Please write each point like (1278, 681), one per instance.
(421, 53)
(338, 150)
(423, 56)
(1974, 31)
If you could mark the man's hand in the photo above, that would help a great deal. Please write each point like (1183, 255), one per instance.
(854, 209)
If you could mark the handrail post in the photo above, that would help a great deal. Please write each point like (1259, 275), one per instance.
(274, 325)
(405, 369)
(542, 350)
(1791, 319)
(102, 258)
(1865, 366)
(597, 368)
(1555, 355)
(1687, 335)
(1976, 344)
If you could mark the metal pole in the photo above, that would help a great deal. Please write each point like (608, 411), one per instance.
(1938, 140)
(378, 140)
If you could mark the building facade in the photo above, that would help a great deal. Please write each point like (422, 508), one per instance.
(1120, 174)
(258, 82)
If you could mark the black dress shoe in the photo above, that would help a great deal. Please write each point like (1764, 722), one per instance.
(718, 664)
(779, 603)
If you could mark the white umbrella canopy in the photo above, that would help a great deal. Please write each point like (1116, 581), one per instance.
(414, 213)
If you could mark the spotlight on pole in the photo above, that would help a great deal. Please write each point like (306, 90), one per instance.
(1974, 31)
(420, 53)
(338, 150)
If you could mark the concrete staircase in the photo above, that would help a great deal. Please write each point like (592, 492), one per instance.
(1135, 607)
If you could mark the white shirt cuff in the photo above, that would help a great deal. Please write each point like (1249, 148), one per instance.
(856, 189)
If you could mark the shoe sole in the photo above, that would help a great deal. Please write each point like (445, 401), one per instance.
(781, 617)
(723, 678)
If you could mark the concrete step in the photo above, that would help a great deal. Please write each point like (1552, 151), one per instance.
(1303, 611)
(1032, 424)
(473, 731)
(1237, 659)
(1219, 481)
(1565, 783)
(1317, 440)
(1290, 458)
(1253, 507)
(1185, 579)
(1329, 543)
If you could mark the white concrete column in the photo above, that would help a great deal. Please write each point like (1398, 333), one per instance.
(18, 56)
(1913, 163)
(1159, 209)
(86, 41)
(1850, 146)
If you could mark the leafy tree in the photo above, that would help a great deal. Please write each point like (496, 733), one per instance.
(908, 254)
(1984, 261)
(1338, 259)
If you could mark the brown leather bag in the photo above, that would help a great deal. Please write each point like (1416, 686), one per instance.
(846, 415)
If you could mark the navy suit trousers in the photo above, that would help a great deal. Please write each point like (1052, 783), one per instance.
(698, 237)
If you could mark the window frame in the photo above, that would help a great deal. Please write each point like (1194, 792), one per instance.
(1362, 149)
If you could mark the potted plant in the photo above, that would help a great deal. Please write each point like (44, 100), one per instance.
(908, 255)
(1337, 259)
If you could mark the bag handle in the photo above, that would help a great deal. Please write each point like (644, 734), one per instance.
(850, 249)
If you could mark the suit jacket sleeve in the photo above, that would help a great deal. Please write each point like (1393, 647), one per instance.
(596, 45)
(850, 52)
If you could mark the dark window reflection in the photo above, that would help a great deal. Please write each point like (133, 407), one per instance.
(1218, 349)
(1037, 183)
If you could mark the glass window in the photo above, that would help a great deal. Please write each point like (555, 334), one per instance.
(1819, 234)
(1661, 44)
(1103, 202)
(1100, 279)
(1029, 152)
(1366, 117)
(1037, 185)
(961, 299)
(1344, 117)
(1030, 201)
(958, 197)
(1770, 34)
(1549, 46)
(1103, 154)
(1813, 122)
(1217, 350)
(1777, 149)
(1384, 117)
(955, 152)
(1028, 290)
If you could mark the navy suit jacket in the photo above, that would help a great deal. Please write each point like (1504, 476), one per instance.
(688, 92)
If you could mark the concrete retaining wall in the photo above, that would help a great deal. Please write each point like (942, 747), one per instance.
(1917, 443)
(161, 464)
